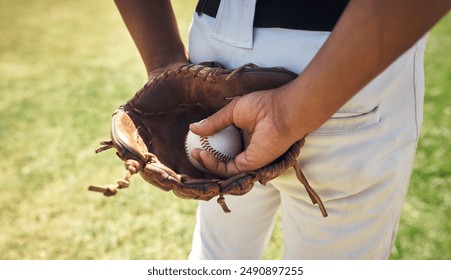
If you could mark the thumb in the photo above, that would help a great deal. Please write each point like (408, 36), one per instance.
(214, 123)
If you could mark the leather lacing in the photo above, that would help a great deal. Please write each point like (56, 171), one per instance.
(196, 70)
(131, 167)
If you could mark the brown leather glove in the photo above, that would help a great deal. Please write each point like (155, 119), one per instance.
(149, 130)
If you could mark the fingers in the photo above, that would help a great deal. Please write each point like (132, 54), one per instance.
(216, 122)
(220, 168)
(215, 166)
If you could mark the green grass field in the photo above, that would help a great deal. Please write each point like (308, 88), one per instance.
(64, 68)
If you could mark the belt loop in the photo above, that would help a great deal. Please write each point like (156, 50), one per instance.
(200, 8)
(234, 23)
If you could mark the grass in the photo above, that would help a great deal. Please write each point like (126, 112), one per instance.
(425, 230)
(64, 67)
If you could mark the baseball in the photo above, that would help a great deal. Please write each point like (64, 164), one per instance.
(225, 145)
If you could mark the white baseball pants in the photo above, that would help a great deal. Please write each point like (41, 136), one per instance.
(359, 162)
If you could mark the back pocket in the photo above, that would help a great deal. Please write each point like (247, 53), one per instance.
(349, 122)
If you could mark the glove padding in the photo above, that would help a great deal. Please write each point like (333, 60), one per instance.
(149, 131)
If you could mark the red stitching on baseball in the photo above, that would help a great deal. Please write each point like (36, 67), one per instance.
(207, 146)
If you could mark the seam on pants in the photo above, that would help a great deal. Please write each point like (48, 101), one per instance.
(395, 227)
(417, 128)
(233, 57)
(419, 50)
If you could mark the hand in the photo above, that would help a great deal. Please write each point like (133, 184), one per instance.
(266, 133)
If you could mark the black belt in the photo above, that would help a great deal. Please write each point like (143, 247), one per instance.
(314, 15)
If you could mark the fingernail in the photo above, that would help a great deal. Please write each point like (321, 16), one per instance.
(198, 123)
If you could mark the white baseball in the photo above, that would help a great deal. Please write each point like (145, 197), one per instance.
(225, 145)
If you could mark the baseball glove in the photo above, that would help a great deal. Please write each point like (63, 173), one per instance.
(149, 130)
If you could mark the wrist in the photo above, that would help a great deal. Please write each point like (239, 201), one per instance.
(303, 107)
(292, 122)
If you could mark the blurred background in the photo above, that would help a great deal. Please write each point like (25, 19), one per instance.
(65, 66)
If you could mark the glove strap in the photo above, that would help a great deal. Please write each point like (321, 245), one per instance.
(311, 192)
(221, 201)
(106, 145)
